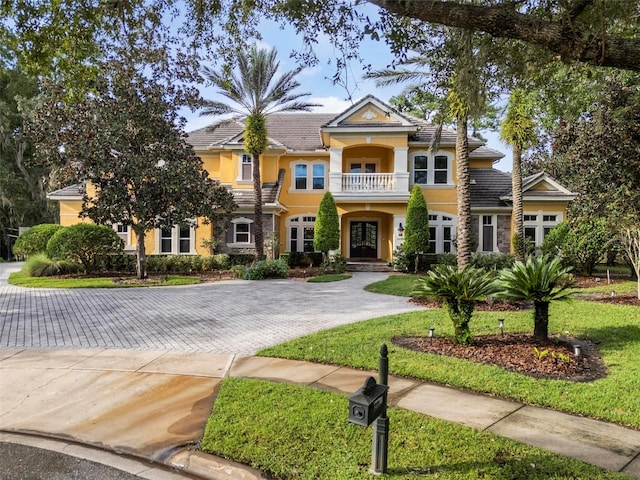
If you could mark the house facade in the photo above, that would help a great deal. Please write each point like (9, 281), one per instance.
(369, 157)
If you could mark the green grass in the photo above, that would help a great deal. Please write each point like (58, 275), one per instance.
(23, 280)
(333, 277)
(615, 328)
(400, 285)
(289, 431)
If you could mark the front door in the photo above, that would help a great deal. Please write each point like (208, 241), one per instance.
(364, 240)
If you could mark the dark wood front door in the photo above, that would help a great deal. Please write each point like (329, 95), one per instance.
(364, 240)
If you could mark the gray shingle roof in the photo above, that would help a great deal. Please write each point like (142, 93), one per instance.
(487, 186)
(295, 131)
(69, 191)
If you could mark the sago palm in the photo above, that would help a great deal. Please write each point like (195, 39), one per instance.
(541, 280)
(459, 290)
(254, 92)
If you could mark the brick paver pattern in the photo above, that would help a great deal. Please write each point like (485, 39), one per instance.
(222, 317)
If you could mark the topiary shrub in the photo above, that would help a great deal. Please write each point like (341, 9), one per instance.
(85, 243)
(39, 265)
(34, 240)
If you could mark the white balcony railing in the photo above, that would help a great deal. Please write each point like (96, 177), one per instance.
(369, 182)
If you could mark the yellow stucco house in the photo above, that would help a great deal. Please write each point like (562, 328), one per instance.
(369, 157)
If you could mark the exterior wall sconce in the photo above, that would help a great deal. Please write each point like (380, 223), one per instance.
(400, 230)
(501, 320)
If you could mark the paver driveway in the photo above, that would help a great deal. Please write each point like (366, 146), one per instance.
(234, 316)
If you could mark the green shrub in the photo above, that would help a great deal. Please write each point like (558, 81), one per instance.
(39, 265)
(459, 290)
(492, 261)
(554, 240)
(219, 261)
(263, 269)
(241, 259)
(335, 264)
(122, 262)
(85, 243)
(34, 240)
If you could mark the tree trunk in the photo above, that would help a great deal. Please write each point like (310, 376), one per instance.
(463, 231)
(141, 256)
(257, 208)
(562, 37)
(541, 320)
(460, 312)
(518, 221)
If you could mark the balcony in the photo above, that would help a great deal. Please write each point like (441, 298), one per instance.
(370, 186)
(368, 182)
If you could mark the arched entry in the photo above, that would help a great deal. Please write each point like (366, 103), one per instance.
(363, 239)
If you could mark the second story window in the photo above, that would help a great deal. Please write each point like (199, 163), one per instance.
(432, 170)
(246, 170)
(440, 169)
(309, 176)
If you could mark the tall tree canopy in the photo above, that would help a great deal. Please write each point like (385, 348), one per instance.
(125, 141)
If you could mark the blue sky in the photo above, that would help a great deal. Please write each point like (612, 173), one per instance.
(317, 80)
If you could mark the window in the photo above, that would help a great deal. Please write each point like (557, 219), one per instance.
(166, 240)
(176, 240)
(246, 167)
(420, 169)
(487, 230)
(434, 170)
(301, 230)
(440, 169)
(441, 231)
(123, 232)
(536, 226)
(309, 176)
(241, 233)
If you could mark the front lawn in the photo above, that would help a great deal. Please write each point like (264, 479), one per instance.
(24, 280)
(615, 328)
(289, 431)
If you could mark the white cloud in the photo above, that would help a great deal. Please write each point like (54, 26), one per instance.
(330, 104)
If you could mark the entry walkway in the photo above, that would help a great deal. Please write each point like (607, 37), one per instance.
(154, 405)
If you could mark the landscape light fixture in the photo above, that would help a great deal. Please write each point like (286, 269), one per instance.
(431, 330)
(501, 320)
(577, 351)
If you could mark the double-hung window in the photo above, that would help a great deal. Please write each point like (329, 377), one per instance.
(241, 230)
(441, 233)
(179, 239)
(432, 170)
(245, 168)
(309, 176)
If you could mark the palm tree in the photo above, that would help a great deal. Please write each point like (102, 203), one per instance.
(465, 84)
(459, 290)
(517, 130)
(255, 92)
(541, 280)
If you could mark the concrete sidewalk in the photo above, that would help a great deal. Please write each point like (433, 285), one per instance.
(154, 405)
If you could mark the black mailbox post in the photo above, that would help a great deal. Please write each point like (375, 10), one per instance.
(367, 403)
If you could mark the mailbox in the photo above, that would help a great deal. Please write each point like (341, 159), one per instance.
(367, 403)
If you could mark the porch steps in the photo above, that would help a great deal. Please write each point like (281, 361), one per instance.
(368, 266)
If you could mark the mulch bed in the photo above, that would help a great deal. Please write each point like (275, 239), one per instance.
(516, 352)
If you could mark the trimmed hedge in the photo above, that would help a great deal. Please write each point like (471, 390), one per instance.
(34, 240)
(85, 243)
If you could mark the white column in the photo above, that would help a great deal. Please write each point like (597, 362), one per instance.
(398, 237)
(400, 168)
(335, 170)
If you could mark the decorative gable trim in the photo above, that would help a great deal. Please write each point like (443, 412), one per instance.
(371, 112)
